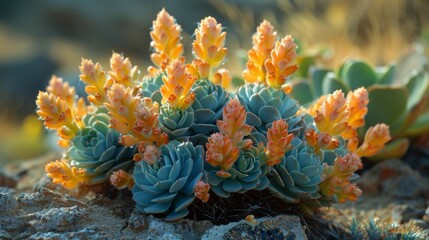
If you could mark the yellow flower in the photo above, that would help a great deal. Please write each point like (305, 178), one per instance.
(221, 151)
(62, 173)
(62, 90)
(165, 36)
(233, 123)
(201, 191)
(223, 78)
(198, 68)
(311, 137)
(122, 72)
(122, 107)
(332, 115)
(147, 126)
(278, 142)
(96, 82)
(75, 110)
(209, 45)
(176, 90)
(375, 139)
(281, 62)
(55, 112)
(145, 130)
(357, 102)
(263, 42)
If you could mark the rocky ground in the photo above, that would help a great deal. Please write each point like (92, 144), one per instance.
(33, 208)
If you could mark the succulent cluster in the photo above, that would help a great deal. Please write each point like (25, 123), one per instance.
(180, 132)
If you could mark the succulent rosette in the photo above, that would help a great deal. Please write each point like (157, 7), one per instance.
(208, 104)
(298, 175)
(96, 149)
(165, 183)
(151, 86)
(265, 104)
(176, 122)
(244, 175)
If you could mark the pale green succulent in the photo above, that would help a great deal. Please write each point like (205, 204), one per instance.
(96, 149)
(265, 104)
(298, 175)
(246, 174)
(209, 102)
(151, 87)
(167, 185)
(175, 122)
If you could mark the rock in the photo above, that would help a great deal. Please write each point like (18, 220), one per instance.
(48, 214)
(30, 172)
(7, 180)
(86, 233)
(404, 213)
(56, 218)
(393, 178)
(157, 228)
(7, 202)
(279, 227)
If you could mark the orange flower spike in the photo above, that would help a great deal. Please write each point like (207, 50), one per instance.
(63, 90)
(176, 90)
(62, 173)
(350, 192)
(337, 178)
(281, 63)
(122, 106)
(151, 154)
(80, 111)
(331, 116)
(55, 112)
(312, 110)
(357, 102)
(326, 141)
(209, 43)
(352, 144)
(122, 179)
(199, 69)
(95, 79)
(311, 137)
(166, 37)
(221, 151)
(122, 71)
(264, 41)
(146, 127)
(233, 123)
(375, 139)
(278, 142)
(201, 191)
(223, 78)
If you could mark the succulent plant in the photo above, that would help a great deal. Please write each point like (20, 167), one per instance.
(208, 104)
(407, 110)
(259, 139)
(265, 104)
(166, 185)
(298, 175)
(96, 149)
(151, 86)
(176, 122)
(244, 175)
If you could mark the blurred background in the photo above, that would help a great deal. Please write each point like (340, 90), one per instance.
(51, 37)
